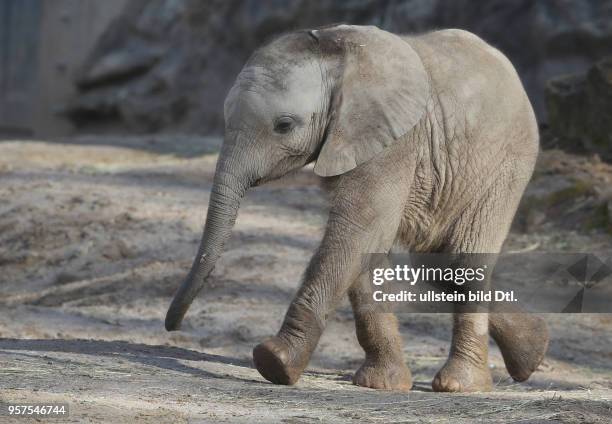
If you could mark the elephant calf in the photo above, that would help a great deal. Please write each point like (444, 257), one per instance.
(425, 141)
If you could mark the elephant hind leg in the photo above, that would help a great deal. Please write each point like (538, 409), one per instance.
(378, 334)
(522, 339)
(481, 229)
(466, 369)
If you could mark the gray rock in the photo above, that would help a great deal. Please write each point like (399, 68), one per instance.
(203, 44)
(580, 110)
(130, 62)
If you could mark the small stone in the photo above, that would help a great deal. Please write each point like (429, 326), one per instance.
(66, 277)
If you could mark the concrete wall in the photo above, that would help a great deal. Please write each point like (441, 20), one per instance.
(45, 42)
(19, 35)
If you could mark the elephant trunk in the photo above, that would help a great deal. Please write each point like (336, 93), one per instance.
(227, 192)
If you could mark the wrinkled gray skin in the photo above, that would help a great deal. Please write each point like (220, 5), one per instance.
(427, 142)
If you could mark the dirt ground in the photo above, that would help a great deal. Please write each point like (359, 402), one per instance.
(97, 232)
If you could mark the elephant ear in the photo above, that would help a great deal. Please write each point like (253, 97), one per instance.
(381, 93)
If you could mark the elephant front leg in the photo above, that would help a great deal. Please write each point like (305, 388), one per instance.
(378, 335)
(338, 262)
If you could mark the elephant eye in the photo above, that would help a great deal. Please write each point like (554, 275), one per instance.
(284, 124)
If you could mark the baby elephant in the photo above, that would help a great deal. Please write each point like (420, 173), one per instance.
(424, 141)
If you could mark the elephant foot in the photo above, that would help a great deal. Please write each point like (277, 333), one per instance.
(461, 375)
(384, 375)
(523, 341)
(272, 359)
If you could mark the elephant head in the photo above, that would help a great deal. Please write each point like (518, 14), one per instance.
(337, 95)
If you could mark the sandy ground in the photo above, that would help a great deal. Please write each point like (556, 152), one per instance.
(96, 234)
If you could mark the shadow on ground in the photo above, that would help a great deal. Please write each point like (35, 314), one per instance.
(165, 357)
